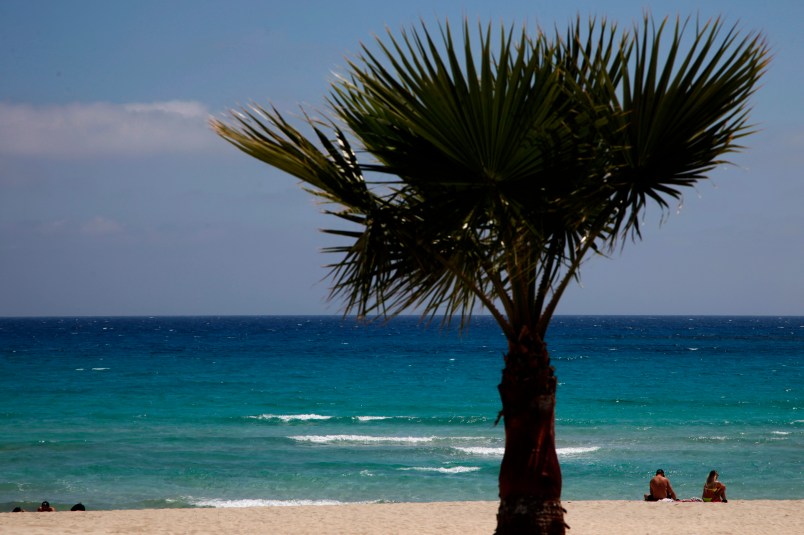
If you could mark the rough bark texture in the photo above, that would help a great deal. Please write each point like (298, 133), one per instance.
(530, 476)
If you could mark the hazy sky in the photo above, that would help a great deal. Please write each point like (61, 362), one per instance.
(117, 199)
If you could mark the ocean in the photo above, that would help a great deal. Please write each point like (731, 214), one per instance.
(157, 412)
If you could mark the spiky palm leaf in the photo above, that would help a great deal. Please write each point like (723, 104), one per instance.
(493, 168)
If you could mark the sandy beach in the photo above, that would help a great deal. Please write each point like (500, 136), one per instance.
(748, 517)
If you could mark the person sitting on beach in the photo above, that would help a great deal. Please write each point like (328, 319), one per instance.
(714, 490)
(660, 488)
(18, 510)
(78, 507)
(46, 507)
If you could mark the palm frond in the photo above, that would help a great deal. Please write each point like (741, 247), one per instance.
(500, 161)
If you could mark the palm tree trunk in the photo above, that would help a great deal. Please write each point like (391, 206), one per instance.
(530, 476)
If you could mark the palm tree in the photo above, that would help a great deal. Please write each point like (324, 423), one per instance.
(482, 175)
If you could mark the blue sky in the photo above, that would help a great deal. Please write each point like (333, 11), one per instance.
(117, 199)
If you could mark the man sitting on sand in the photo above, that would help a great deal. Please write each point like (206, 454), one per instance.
(46, 507)
(660, 488)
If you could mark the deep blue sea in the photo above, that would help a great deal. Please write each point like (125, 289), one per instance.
(128, 413)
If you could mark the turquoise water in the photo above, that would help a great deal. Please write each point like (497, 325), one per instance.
(174, 412)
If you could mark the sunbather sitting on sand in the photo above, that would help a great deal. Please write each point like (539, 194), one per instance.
(660, 488)
(714, 490)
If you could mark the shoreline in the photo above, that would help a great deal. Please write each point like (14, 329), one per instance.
(604, 517)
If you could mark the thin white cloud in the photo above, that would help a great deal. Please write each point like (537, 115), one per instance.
(101, 129)
(101, 226)
(97, 226)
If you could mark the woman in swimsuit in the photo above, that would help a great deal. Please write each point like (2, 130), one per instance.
(714, 490)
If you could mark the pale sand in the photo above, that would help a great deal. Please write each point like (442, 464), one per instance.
(747, 517)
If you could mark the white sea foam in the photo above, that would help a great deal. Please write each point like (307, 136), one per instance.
(568, 452)
(443, 470)
(372, 418)
(780, 432)
(478, 450)
(291, 417)
(363, 439)
(219, 503)
(99, 369)
(498, 452)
